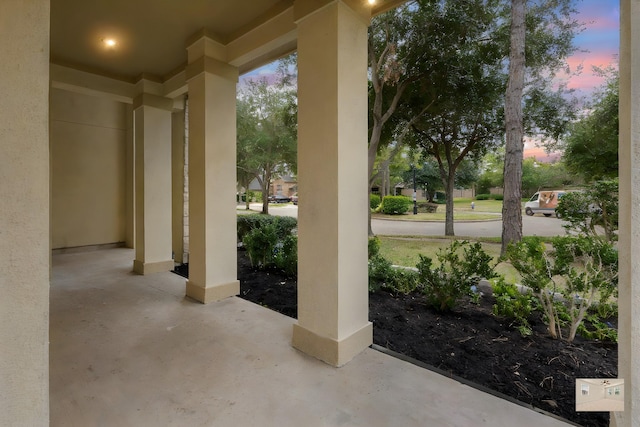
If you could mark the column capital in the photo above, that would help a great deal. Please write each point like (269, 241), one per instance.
(206, 64)
(304, 8)
(148, 99)
(204, 43)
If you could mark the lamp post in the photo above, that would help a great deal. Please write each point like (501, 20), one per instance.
(415, 202)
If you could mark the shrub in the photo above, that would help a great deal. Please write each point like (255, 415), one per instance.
(260, 244)
(510, 303)
(382, 275)
(284, 225)
(497, 196)
(269, 241)
(427, 207)
(374, 246)
(374, 201)
(483, 196)
(395, 205)
(286, 255)
(596, 206)
(455, 276)
(587, 265)
(599, 331)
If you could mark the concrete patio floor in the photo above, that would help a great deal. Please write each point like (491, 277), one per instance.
(129, 350)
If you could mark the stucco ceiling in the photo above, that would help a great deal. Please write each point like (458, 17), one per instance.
(152, 35)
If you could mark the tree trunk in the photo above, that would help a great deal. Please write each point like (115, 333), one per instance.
(511, 205)
(448, 222)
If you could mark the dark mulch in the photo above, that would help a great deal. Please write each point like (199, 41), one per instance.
(469, 342)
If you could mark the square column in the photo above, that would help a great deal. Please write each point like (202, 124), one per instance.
(333, 323)
(213, 267)
(24, 213)
(629, 199)
(152, 134)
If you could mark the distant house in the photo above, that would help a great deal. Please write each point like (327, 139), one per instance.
(286, 185)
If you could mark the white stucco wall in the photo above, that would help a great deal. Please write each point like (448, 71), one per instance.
(88, 170)
(24, 213)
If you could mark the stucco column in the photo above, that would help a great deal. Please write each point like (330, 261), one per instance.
(213, 268)
(629, 243)
(333, 323)
(152, 134)
(24, 213)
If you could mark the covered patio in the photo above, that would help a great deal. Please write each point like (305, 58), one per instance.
(130, 350)
(94, 139)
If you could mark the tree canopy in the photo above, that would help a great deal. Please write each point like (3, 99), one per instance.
(591, 148)
(266, 131)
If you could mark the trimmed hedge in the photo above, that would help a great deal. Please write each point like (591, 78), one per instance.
(374, 201)
(395, 205)
(483, 196)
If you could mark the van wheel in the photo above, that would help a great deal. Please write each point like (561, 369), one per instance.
(528, 211)
(558, 215)
(547, 215)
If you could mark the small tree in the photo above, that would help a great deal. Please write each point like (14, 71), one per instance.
(587, 266)
(593, 212)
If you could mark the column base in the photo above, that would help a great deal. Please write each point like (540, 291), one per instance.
(333, 352)
(212, 293)
(145, 268)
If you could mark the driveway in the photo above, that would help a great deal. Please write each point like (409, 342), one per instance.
(536, 225)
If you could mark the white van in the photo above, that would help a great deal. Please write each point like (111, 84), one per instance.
(543, 202)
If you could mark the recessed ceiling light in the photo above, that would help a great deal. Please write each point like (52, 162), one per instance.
(109, 42)
(372, 2)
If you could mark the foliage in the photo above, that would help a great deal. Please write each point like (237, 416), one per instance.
(269, 241)
(601, 331)
(458, 106)
(373, 246)
(395, 205)
(286, 255)
(587, 265)
(427, 207)
(260, 244)
(455, 275)
(591, 148)
(267, 129)
(512, 304)
(284, 225)
(587, 212)
(382, 275)
(483, 196)
(374, 201)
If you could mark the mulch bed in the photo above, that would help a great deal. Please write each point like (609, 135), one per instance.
(468, 342)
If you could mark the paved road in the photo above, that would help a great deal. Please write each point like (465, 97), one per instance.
(531, 226)
(536, 225)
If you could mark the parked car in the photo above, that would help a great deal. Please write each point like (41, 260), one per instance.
(294, 198)
(279, 199)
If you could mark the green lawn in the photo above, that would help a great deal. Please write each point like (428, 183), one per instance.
(405, 251)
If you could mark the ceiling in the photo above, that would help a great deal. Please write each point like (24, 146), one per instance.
(151, 35)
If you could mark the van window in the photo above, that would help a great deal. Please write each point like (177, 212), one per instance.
(534, 198)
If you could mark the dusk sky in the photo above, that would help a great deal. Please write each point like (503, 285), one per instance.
(598, 45)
